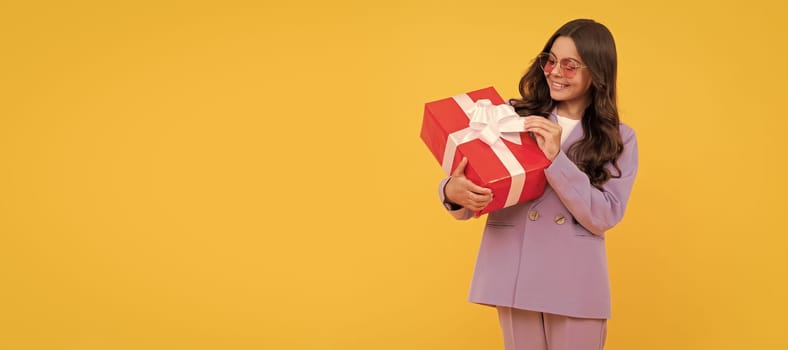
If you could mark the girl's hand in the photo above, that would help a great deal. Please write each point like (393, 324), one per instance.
(461, 191)
(546, 133)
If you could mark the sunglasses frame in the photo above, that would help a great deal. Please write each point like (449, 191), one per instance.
(567, 71)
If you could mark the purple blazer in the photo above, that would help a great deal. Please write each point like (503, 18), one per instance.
(548, 254)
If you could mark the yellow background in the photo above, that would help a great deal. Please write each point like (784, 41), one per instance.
(246, 175)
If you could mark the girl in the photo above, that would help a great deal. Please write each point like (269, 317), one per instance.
(542, 263)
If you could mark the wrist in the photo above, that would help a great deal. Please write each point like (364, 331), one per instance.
(446, 193)
(447, 202)
(554, 156)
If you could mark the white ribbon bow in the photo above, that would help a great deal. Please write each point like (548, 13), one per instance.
(490, 123)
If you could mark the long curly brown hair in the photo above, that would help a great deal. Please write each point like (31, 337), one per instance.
(601, 143)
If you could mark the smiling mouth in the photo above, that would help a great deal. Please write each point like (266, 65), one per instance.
(557, 85)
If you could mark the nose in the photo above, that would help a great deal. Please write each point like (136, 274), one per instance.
(556, 70)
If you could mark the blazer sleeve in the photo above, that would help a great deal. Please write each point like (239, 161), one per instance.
(459, 214)
(596, 209)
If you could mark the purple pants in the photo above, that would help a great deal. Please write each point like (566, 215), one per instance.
(530, 330)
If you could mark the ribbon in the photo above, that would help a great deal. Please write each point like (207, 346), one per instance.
(492, 124)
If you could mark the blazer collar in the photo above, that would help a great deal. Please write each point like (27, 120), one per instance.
(575, 135)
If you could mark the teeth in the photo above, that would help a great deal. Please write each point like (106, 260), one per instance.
(558, 86)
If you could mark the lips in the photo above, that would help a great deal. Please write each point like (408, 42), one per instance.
(557, 86)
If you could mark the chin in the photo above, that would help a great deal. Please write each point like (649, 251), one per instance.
(557, 97)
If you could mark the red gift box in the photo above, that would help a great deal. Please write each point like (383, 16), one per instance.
(479, 125)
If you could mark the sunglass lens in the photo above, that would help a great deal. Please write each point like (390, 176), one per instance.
(568, 67)
(546, 62)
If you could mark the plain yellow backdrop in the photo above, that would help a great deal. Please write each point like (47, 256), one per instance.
(248, 175)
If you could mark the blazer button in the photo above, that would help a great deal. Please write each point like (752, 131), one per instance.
(560, 219)
(533, 215)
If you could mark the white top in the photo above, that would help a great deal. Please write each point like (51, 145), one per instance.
(567, 125)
